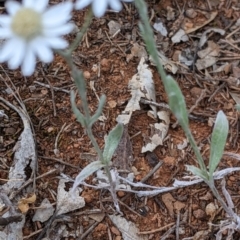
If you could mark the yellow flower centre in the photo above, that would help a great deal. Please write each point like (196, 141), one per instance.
(27, 23)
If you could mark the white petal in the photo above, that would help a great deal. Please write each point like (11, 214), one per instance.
(42, 50)
(57, 31)
(80, 4)
(8, 49)
(18, 56)
(57, 43)
(5, 33)
(115, 5)
(40, 5)
(99, 7)
(5, 20)
(58, 14)
(28, 3)
(29, 62)
(12, 7)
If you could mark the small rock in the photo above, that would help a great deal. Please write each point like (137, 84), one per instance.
(195, 92)
(86, 75)
(199, 214)
(169, 161)
(50, 129)
(191, 13)
(179, 205)
(206, 197)
(176, 55)
(101, 227)
(229, 183)
(211, 210)
(105, 65)
(168, 200)
(232, 178)
(112, 103)
(121, 194)
(88, 196)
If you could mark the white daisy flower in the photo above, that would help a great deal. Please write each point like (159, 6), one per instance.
(99, 7)
(32, 30)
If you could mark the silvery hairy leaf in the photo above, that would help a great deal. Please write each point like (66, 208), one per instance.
(86, 172)
(112, 142)
(198, 172)
(218, 141)
(176, 101)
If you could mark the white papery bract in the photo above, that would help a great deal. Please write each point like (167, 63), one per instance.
(31, 30)
(99, 7)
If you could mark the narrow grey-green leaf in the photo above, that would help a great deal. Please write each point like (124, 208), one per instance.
(112, 142)
(218, 141)
(176, 101)
(86, 172)
(198, 172)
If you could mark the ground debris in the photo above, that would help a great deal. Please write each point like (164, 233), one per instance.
(68, 201)
(128, 229)
(141, 86)
(186, 33)
(44, 212)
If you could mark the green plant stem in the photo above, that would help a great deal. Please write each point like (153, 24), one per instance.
(112, 186)
(227, 209)
(78, 39)
(67, 57)
(148, 35)
(151, 46)
(94, 143)
(100, 154)
(152, 49)
(81, 84)
(67, 54)
(195, 149)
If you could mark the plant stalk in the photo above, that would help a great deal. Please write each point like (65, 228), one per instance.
(84, 28)
(215, 192)
(152, 49)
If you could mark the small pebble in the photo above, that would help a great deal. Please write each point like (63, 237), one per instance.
(191, 13)
(86, 75)
(211, 209)
(121, 194)
(199, 214)
(232, 178)
(229, 183)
